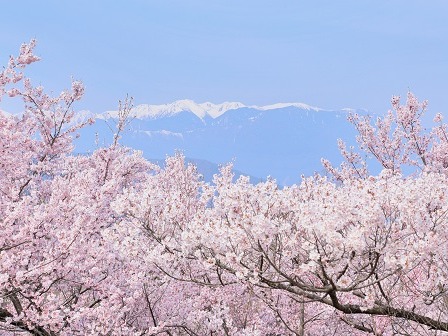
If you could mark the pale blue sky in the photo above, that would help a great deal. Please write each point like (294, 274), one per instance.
(331, 54)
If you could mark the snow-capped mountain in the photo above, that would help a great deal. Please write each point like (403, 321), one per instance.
(282, 140)
(202, 110)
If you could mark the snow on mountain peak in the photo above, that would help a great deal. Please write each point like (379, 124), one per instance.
(201, 110)
(283, 105)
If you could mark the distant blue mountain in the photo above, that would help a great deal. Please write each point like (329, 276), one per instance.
(282, 141)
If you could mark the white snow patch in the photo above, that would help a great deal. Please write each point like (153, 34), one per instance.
(82, 116)
(200, 110)
(164, 133)
(283, 105)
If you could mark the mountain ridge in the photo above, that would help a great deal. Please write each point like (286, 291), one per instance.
(201, 110)
(281, 140)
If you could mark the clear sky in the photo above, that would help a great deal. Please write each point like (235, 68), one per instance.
(330, 54)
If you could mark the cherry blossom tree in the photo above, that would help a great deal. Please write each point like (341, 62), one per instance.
(60, 272)
(110, 244)
(355, 253)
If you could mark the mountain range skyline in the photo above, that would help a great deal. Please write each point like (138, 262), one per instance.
(283, 140)
(206, 109)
